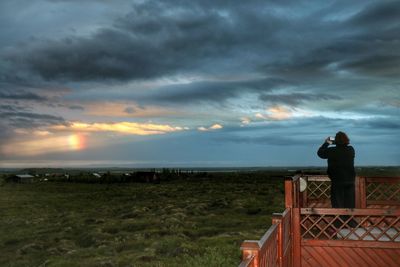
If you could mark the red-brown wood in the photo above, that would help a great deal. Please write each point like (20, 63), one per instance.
(357, 193)
(383, 203)
(263, 252)
(288, 193)
(392, 180)
(296, 236)
(350, 243)
(362, 192)
(316, 256)
(277, 219)
(283, 220)
(287, 243)
(350, 211)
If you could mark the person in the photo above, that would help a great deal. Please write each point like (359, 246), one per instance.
(341, 171)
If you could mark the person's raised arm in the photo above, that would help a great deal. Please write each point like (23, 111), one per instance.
(323, 149)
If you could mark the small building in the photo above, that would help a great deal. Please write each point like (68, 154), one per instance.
(95, 174)
(22, 178)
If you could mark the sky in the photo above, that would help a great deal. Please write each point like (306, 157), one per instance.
(200, 83)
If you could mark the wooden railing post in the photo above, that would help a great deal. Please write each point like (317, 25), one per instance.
(304, 195)
(296, 235)
(251, 249)
(362, 192)
(292, 195)
(357, 193)
(288, 192)
(277, 219)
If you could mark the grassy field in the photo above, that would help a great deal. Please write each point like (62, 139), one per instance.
(191, 222)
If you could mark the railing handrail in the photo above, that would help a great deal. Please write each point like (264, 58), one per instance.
(325, 177)
(267, 236)
(337, 211)
(270, 243)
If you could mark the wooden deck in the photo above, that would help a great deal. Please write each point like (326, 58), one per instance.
(311, 233)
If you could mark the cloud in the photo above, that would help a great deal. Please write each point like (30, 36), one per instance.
(167, 38)
(294, 99)
(379, 15)
(130, 128)
(11, 108)
(380, 65)
(126, 109)
(76, 107)
(266, 140)
(210, 91)
(156, 40)
(26, 119)
(285, 69)
(245, 121)
(126, 52)
(211, 128)
(130, 110)
(279, 113)
(381, 124)
(21, 96)
(204, 39)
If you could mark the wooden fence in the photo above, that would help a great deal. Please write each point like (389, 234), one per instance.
(310, 233)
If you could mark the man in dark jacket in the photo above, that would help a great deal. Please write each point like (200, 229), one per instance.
(340, 170)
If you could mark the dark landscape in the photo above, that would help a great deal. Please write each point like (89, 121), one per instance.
(196, 218)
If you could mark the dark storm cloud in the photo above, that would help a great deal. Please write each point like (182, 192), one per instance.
(76, 107)
(377, 65)
(383, 124)
(366, 42)
(122, 55)
(156, 39)
(26, 119)
(33, 116)
(21, 96)
(383, 14)
(295, 99)
(10, 108)
(211, 91)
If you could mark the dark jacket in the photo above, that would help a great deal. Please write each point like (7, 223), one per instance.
(340, 163)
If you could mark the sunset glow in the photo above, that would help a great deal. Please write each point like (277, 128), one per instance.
(120, 127)
(44, 145)
(76, 142)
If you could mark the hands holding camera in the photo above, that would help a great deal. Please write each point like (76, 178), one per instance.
(330, 140)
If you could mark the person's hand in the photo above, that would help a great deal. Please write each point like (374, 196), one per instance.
(327, 140)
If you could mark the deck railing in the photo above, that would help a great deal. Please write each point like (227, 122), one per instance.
(349, 224)
(371, 192)
(380, 192)
(274, 248)
(316, 235)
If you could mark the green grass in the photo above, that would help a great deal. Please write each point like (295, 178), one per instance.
(197, 222)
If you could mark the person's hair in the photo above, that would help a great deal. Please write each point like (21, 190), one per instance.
(341, 139)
